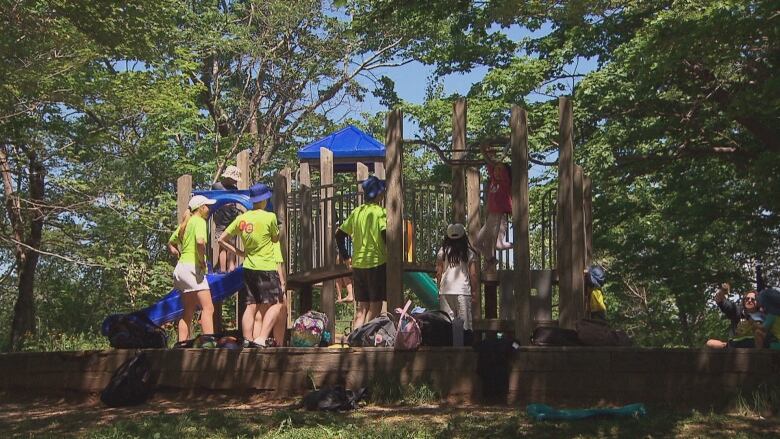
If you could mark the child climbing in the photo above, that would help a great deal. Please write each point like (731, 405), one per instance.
(188, 244)
(366, 225)
(456, 275)
(225, 215)
(595, 276)
(263, 294)
(499, 204)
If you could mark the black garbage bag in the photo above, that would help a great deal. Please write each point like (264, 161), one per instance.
(334, 399)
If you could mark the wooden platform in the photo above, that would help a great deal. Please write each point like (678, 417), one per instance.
(573, 376)
(312, 277)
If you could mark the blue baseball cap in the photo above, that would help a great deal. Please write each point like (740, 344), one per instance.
(597, 276)
(259, 192)
(373, 187)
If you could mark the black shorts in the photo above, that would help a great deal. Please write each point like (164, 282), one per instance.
(262, 287)
(370, 284)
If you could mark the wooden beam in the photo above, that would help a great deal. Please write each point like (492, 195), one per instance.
(281, 184)
(183, 194)
(578, 245)
(304, 175)
(520, 210)
(328, 293)
(394, 203)
(307, 251)
(587, 210)
(379, 170)
(473, 226)
(242, 162)
(567, 305)
(361, 174)
(458, 172)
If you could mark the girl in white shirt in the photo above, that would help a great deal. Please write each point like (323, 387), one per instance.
(456, 274)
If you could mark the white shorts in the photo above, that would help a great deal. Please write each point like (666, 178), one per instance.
(187, 278)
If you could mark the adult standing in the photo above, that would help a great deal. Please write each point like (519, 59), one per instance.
(367, 225)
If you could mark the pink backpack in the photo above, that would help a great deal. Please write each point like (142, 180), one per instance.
(408, 336)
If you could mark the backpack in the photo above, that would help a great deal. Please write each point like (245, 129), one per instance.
(131, 384)
(377, 332)
(133, 331)
(554, 336)
(333, 399)
(408, 336)
(593, 332)
(435, 328)
(308, 329)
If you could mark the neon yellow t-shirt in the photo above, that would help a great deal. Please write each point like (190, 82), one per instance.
(256, 228)
(365, 225)
(772, 324)
(196, 230)
(597, 301)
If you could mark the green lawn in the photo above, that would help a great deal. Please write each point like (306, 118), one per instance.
(218, 418)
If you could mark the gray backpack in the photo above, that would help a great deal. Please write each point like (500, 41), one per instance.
(377, 332)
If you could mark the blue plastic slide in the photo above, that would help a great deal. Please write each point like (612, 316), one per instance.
(541, 412)
(424, 287)
(222, 285)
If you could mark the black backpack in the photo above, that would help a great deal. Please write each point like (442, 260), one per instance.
(554, 336)
(133, 331)
(436, 328)
(131, 384)
(377, 332)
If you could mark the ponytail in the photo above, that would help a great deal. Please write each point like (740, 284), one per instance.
(183, 224)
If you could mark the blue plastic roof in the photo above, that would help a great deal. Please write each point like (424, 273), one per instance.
(349, 142)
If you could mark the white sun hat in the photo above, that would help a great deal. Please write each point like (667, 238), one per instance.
(200, 200)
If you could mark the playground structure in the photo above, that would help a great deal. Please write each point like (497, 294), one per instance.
(518, 298)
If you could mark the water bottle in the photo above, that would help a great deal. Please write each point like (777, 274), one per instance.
(457, 331)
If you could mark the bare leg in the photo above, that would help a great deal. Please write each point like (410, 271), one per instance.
(248, 321)
(189, 302)
(360, 314)
(231, 262)
(348, 284)
(258, 324)
(207, 311)
(269, 320)
(222, 260)
(374, 309)
(339, 284)
(716, 344)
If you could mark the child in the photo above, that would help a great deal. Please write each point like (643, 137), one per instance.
(188, 244)
(594, 280)
(456, 275)
(280, 326)
(769, 334)
(259, 231)
(499, 204)
(225, 215)
(366, 225)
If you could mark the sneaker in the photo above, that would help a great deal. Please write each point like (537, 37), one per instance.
(270, 342)
(249, 344)
(186, 344)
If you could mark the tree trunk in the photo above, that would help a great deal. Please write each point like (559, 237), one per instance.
(23, 323)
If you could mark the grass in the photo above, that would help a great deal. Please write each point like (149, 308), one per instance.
(227, 418)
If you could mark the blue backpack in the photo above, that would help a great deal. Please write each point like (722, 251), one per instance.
(133, 331)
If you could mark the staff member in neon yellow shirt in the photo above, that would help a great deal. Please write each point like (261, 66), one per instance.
(188, 244)
(367, 225)
(259, 231)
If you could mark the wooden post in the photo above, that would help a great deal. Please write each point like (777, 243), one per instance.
(379, 170)
(328, 294)
(578, 245)
(458, 172)
(183, 194)
(587, 208)
(280, 208)
(304, 175)
(520, 211)
(473, 226)
(242, 163)
(567, 303)
(394, 205)
(361, 174)
(307, 252)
